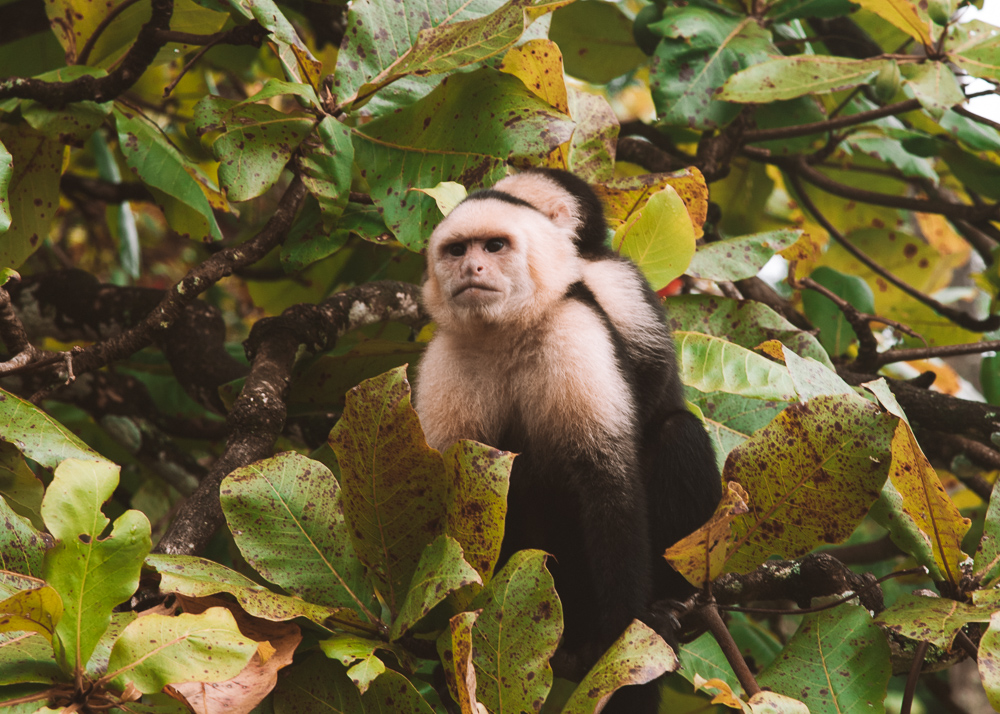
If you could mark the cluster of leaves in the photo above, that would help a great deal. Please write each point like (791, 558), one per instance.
(310, 148)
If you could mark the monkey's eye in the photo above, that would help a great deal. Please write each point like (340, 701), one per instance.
(494, 245)
(456, 250)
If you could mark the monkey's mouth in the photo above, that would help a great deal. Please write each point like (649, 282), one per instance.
(474, 289)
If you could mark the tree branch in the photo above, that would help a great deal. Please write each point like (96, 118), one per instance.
(755, 136)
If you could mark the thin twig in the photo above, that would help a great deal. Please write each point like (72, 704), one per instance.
(713, 620)
(821, 127)
(914, 353)
(914, 677)
(959, 318)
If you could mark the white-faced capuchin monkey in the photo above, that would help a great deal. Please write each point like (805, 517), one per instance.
(550, 345)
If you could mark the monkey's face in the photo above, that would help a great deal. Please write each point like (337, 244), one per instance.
(492, 262)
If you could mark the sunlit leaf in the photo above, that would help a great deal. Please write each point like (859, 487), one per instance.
(738, 258)
(903, 14)
(712, 364)
(659, 238)
(933, 619)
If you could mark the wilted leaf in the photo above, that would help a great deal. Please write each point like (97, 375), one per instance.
(721, 693)
(441, 571)
(299, 499)
(933, 619)
(701, 556)
(516, 635)
(156, 650)
(659, 238)
(455, 650)
(711, 364)
(811, 474)
(816, 668)
(739, 258)
(638, 656)
(92, 571)
(394, 487)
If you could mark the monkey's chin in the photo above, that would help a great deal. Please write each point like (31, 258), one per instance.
(476, 297)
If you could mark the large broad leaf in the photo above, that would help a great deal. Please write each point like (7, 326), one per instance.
(326, 168)
(975, 47)
(596, 40)
(701, 556)
(256, 142)
(516, 635)
(830, 678)
(155, 650)
(93, 572)
(746, 322)
(638, 656)
(699, 52)
(933, 619)
(441, 571)
(711, 364)
(296, 60)
(157, 162)
(36, 610)
(40, 437)
(987, 559)
(738, 258)
(730, 418)
(199, 578)
(300, 499)
(811, 475)
(659, 238)
(394, 490)
(385, 42)
(915, 500)
(625, 195)
(464, 131)
(904, 15)
(32, 191)
(477, 501)
(935, 85)
(789, 77)
(21, 546)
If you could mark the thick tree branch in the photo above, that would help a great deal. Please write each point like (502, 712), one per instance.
(101, 190)
(99, 89)
(258, 415)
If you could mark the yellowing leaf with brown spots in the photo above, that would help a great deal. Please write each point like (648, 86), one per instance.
(933, 619)
(624, 196)
(812, 474)
(903, 14)
(538, 63)
(701, 556)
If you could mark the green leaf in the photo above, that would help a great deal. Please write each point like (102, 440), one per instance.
(92, 572)
(785, 10)
(987, 559)
(705, 658)
(935, 85)
(516, 634)
(293, 53)
(27, 658)
(157, 162)
(988, 661)
(835, 333)
(155, 650)
(74, 123)
(638, 656)
(441, 571)
(19, 486)
(477, 501)
(932, 619)
(876, 144)
(789, 77)
(256, 143)
(21, 546)
(812, 474)
(596, 41)
(975, 47)
(394, 487)
(739, 258)
(326, 166)
(730, 418)
(813, 379)
(817, 668)
(6, 176)
(711, 364)
(38, 435)
(199, 578)
(659, 238)
(745, 322)
(32, 191)
(300, 499)
(386, 42)
(699, 52)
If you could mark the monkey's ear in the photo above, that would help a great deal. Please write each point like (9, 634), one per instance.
(559, 206)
